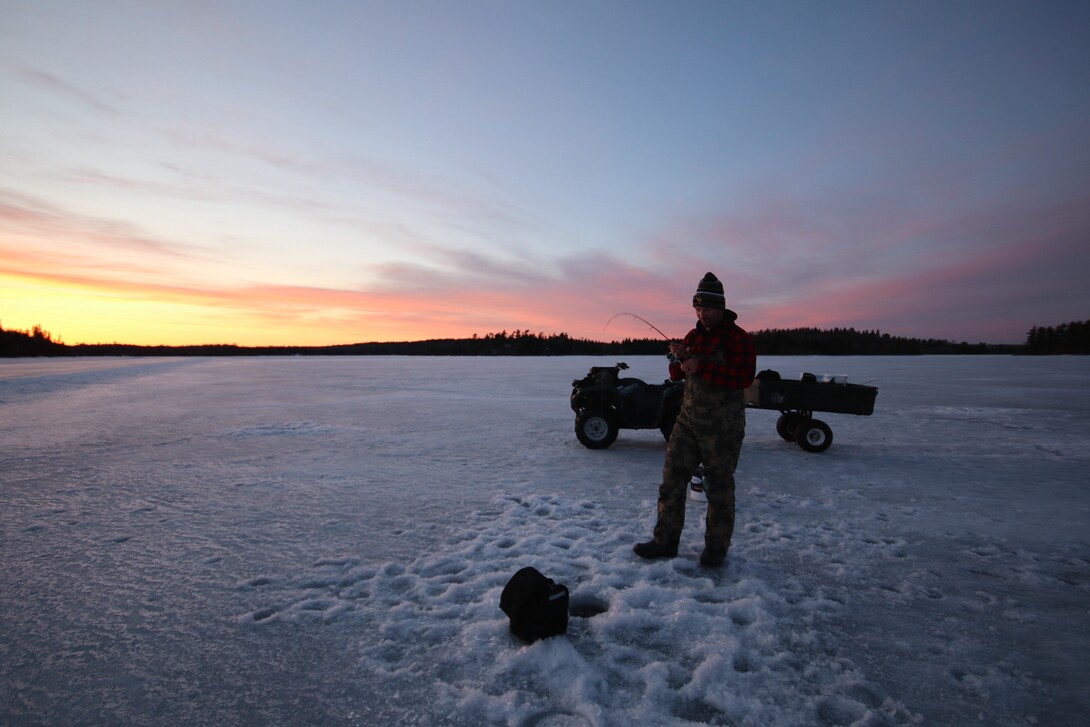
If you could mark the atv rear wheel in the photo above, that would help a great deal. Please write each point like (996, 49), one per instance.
(669, 417)
(597, 428)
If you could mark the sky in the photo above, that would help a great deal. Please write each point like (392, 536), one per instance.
(283, 173)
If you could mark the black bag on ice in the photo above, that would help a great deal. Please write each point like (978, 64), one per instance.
(536, 605)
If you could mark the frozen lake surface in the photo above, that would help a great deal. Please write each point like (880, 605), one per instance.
(297, 541)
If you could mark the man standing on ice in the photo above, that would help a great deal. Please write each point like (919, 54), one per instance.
(717, 360)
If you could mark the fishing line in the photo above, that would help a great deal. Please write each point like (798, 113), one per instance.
(639, 318)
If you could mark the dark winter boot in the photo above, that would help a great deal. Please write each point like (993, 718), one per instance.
(652, 549)
(712, 557)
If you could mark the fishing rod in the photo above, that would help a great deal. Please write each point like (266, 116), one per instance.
(638, 318)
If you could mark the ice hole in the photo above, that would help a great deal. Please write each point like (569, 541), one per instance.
(586, 606)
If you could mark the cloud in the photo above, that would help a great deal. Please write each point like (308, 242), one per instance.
(1007, 277)
(364, 183)
(978, 248)
(57, 85)
(58, 230)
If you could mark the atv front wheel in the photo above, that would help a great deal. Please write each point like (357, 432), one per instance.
(596, 429)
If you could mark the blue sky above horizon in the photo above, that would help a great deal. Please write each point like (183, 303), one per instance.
(274, 172)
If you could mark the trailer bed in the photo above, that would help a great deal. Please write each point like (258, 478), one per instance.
(798, 400)
(812, 396)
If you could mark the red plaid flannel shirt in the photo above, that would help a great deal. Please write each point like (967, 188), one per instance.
(736, 372)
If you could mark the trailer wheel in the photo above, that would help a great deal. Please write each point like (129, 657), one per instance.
(597, 428)
(786, 425)
(814, 435)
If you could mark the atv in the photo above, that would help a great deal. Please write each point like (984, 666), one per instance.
(604, 402)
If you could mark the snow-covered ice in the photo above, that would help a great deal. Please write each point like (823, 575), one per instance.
(293, 541)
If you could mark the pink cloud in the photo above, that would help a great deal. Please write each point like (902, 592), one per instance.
(993, 294)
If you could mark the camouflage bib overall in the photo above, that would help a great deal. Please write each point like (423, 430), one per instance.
(709, 430)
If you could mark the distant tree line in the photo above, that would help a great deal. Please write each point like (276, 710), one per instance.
(36, 342)
(850, 342)
(1066, 338)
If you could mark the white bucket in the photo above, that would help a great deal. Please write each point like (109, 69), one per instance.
(696, 490)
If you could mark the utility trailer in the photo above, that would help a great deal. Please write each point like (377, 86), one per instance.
(798, 400)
